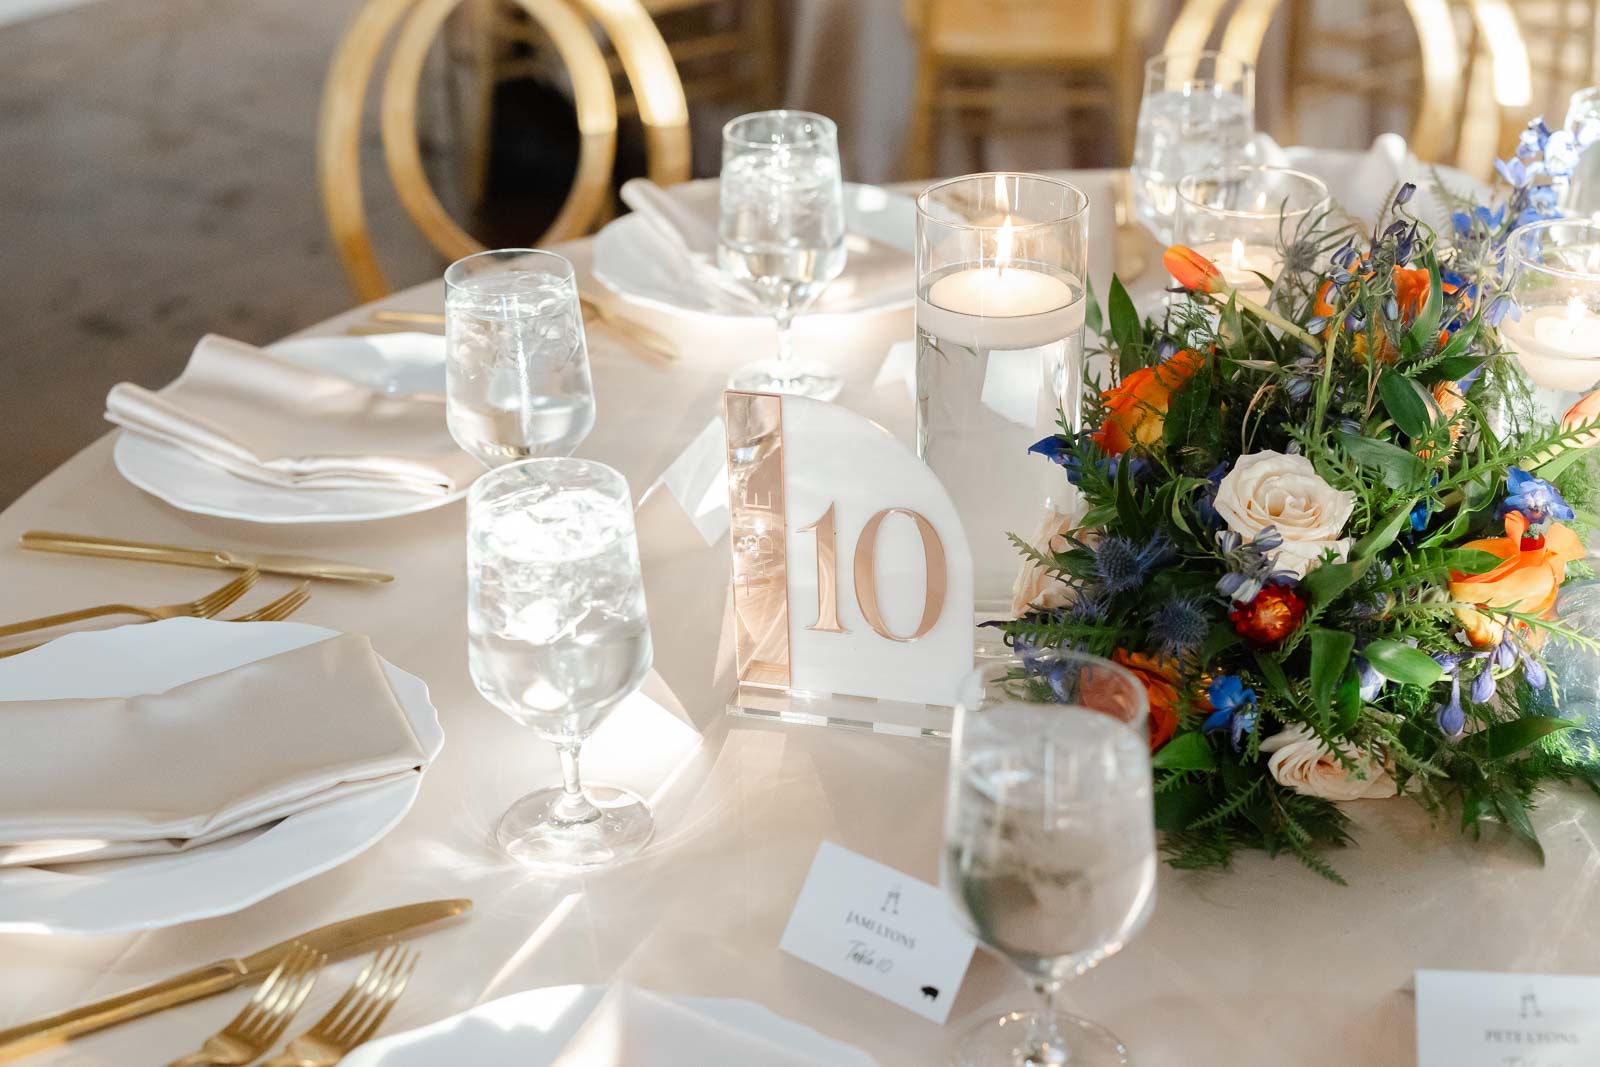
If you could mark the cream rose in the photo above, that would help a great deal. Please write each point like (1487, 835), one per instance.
(1303, 763)
(1286, 493)
(1036, 587)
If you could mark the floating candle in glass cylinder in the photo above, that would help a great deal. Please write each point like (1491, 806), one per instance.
(1240, 218)
(1554, 269)
(1000, 314)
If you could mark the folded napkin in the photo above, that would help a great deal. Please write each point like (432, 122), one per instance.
(634, 1027)
(270, 420)
(91, 779)
(1362, 182)
(684, 219)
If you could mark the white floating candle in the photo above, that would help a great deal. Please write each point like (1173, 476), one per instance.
(1557, 344)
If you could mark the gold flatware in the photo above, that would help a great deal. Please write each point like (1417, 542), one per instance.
(356, 1016)
(386, 320)
(257, 1028)
(216, 559)
(280, 609)
(203, 608)
(273, 611)
(335, 941)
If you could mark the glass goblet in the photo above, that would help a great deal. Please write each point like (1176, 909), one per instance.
(557, 638)
(781, 233)
(516, 360)
(1049, 850)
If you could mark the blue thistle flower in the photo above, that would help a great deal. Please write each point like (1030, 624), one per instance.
(1122, 564)
(1179, 626)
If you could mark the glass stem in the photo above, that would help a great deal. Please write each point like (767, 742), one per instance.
(573, 807)
(785, 343)
(1046, 1046)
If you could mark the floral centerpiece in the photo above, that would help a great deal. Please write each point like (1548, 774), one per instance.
(1328, 533)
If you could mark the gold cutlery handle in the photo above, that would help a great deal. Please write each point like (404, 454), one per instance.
(418, 318)
(46, 622)
(64, 1026)
(110, 548)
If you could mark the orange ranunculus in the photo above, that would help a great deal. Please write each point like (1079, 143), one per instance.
(1585, 411)
(1160, 677)
(1137, 407)
(1193, 271)
(1526, 581)
(1448, 396)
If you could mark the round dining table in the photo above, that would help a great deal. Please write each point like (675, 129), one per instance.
(1263, 964)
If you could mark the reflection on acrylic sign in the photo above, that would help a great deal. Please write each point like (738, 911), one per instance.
(851, 572)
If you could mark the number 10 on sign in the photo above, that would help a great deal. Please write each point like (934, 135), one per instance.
(851, 572)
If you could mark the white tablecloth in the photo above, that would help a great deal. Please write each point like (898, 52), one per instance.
(1264, 965)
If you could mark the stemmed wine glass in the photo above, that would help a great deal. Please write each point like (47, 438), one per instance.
(1049, 838)
(1197, 113)
(781, 234)
(516, 360)
(558, 637)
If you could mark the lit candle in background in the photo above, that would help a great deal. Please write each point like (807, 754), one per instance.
(1558, 345)
(1239, 263)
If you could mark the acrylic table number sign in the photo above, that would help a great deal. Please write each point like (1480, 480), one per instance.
(852, 578)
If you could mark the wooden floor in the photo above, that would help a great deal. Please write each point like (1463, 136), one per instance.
(157, 180)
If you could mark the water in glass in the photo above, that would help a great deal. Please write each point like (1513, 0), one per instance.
(782, 227)
(1182, 132)
(517, 370)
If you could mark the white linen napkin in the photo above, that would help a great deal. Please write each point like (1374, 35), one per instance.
(92, 779)
(684, 218)
(1362, 182)
(634, 1027)
(270, 420)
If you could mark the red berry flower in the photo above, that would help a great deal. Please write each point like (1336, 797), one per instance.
(1273, 615)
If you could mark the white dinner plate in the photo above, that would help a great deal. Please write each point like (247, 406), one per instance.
(401, 364)
(531, 1028)
(147, 892)
(634, 262)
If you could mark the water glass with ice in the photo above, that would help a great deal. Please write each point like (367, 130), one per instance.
(780, 233)
(1049, 853)
(1197, 114)
(516, 363)
(557, 638)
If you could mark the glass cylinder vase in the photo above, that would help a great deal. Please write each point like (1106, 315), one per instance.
(1001, 260)
(1243, 217)
(1554, 268)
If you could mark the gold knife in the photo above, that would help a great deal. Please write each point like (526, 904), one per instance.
(110, 548)
(336, 940)
(651, 341)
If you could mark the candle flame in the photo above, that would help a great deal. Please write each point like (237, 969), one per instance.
(1002, 246)
(1575, 310)
(1238, 254)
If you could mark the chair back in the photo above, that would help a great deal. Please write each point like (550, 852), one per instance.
(419, 22)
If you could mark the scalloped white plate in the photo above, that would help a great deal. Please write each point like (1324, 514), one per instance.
(148, 892)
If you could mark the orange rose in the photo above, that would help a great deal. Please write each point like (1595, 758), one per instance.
(1192, 270)
(1160, 677)
(1137, 408)
(1582, 413)
(1527, 581)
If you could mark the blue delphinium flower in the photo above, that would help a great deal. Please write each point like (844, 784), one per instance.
(1234, 708)
(1206, 506)
(1452, 719)
(1532, 670)
(1368, 678)
(1500, 307)
(1179, 625)
(1122, 563)
(1534, 497)
(1055, 448)
(1482, 686)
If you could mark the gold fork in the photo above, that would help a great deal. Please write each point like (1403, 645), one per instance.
(280, 609)
(356, 1016)
(204, 608)
(255, 1029)
(273, 611)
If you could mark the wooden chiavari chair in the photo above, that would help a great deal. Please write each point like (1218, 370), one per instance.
(1093, 46)
(643, 56)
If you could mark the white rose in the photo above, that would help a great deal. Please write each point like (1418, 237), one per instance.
(1304, 764)
(1036, 587)
(1285, 492)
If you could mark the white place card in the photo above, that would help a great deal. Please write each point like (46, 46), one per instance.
(1486, 1019)
(879, 929)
